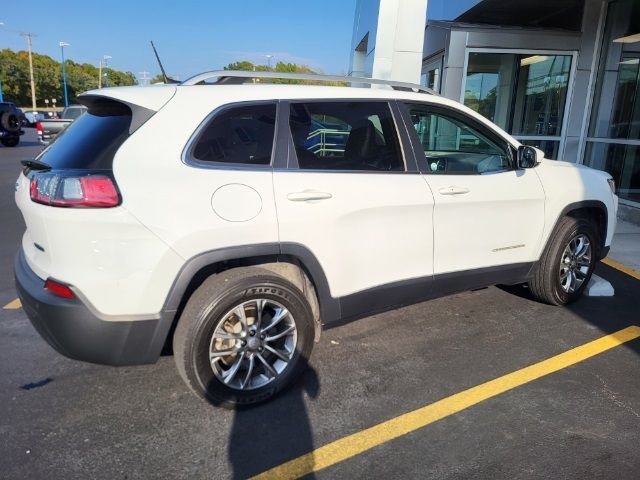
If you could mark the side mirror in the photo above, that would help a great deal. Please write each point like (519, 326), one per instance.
(529, 157)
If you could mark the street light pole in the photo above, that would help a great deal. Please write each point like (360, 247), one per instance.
(64, 73)
(29, 37)
(269, 57)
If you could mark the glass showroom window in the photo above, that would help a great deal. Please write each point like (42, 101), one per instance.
(523, 93)
(614, 133)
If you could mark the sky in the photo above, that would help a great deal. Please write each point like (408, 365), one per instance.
(191, 36)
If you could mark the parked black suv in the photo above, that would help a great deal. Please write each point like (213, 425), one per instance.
(11, 121)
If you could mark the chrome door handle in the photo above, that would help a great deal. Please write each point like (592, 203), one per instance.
(453, 190)
(308, 195)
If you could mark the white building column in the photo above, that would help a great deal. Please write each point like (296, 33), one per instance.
(387, 42)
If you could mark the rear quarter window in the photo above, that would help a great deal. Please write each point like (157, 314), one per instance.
(237, 135)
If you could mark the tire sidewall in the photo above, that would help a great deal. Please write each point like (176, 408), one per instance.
(198, 366)
(10, 122)
(10, 141)
(578, 227)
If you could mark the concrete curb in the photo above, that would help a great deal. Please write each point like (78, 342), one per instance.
(599, 287)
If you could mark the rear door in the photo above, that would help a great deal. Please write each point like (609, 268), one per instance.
(487, 212)
(353, 197)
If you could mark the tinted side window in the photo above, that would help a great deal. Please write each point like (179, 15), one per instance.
(238, 135)
(453, 146)
(345, 136)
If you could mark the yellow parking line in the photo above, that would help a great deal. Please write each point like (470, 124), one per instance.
(623, 268)
(364, 440)
(13, 305)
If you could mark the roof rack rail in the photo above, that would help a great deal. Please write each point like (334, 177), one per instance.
(237, 77)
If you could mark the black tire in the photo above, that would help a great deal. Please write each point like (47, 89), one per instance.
(10, 121)
(10, 141)
(546, 285)
(208, 306)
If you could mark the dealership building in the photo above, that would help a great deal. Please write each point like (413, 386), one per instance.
(562, 75)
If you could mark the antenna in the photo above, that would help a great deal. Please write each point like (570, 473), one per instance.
(164, 75)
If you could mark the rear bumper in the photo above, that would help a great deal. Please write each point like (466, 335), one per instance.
(71, 328)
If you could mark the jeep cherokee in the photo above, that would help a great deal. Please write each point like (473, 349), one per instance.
(230, 221)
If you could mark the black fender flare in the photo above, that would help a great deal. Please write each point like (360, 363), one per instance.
(329, 306)
(578, 206)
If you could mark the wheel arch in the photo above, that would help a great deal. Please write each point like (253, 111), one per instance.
(281, 258)
(594, 210)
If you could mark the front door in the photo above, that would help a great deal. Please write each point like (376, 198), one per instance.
(487, 212)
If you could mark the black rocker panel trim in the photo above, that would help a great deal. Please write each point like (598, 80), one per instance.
(408, 292)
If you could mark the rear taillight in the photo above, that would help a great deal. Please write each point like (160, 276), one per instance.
(39, 128)
(74, 190)
(59, 289)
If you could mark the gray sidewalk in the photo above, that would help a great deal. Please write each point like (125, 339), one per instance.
(625, 247)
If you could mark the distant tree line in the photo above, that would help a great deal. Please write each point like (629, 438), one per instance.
(281, 67)
(47, 74)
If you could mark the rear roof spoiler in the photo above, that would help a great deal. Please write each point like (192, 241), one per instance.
(143, 102)
(108, 106)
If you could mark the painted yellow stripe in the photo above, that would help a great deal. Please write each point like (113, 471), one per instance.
(364, 440)
(13, 305)
(623, 268)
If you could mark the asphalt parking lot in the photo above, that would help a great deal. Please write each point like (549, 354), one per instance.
(66, 419)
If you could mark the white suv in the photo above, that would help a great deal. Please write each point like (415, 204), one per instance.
(232, 220)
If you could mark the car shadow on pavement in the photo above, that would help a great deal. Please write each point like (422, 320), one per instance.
(608, 314)
(275, 432)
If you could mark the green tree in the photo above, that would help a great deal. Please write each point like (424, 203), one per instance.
(281, 67)
(157, 79)
(243, 65)
(47, 75)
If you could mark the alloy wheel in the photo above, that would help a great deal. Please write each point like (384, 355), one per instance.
(253, 344)
(575, 263)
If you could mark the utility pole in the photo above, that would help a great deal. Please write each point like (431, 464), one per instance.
(144, 78)
(29, 37)
(103, 62)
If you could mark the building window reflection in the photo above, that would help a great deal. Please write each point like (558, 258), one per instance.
(523, 93)
(613, 144)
